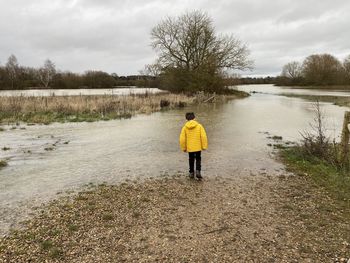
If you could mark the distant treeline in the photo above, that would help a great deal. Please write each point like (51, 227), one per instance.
(316, 70)
(252, 80)
(15, 76)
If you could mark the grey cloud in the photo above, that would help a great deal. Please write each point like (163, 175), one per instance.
(114, 36)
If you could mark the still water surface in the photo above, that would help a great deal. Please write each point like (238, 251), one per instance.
(271, 89)
(147, 145)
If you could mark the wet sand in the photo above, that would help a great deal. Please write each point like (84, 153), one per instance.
(256, 218)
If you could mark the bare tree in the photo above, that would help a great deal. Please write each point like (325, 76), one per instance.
(46, 73)
(152, 70)
(189, 43)
(292, 70)
(12, 69)
(322, 69)
(315, 140)
(346, 66)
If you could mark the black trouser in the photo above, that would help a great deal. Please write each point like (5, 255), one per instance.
(195, 156)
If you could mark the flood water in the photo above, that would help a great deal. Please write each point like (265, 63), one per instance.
(147, 146)
(271, 89)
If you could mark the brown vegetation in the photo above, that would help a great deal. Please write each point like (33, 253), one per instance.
(92, 108)
(85, 108)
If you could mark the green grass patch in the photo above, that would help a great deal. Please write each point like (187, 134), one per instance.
(72, 227)
(55, 253)
(46, 245)
(30, 236)
(279, 146)
(145, 199)
(81, 198)
(238, 93)
(107, 217)
(335, 180)
(136, 214)
(54, 232)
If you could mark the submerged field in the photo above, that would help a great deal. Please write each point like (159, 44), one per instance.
(85, 108)
(49, 109)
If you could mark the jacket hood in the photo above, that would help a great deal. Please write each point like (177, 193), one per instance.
(191, 124)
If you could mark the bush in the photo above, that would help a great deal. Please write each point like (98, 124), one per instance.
(3, 163)
(315, 143)
(164, 103)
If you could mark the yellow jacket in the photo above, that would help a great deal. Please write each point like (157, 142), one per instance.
(193, 137)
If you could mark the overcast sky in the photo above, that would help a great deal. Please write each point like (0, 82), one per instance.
(114, 35)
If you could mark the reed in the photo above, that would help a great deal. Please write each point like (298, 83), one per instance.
(85, 108)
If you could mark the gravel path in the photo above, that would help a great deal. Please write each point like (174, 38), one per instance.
(257, 218)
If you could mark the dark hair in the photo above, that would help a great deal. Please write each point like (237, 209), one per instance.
(190, 116)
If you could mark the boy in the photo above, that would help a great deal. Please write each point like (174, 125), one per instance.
(193, 139)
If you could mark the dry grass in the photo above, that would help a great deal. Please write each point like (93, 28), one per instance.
(93, 108)
(85, 108)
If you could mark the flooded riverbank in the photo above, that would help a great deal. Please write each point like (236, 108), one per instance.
(277, 90)
(147, 146)
(46, 110)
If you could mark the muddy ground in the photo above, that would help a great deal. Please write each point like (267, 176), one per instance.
(257, 218)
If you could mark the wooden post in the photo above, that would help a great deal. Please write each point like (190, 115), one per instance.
(345, 138)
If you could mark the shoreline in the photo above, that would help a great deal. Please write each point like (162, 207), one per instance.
(329, 87)
(336, 100)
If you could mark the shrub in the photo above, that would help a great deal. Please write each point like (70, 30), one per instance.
(164, 103)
